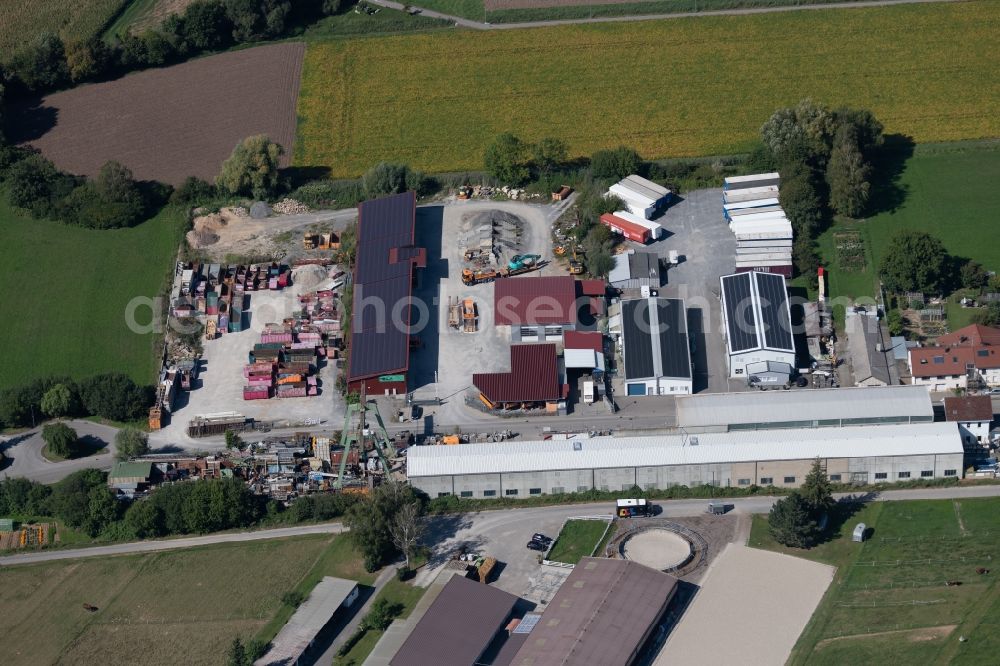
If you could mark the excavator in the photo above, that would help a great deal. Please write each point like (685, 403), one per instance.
(519, 261)
(524, 264)
(575, 267)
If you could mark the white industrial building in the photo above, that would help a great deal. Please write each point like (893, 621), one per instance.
(634, 270)
(763, 233)
(655, 230)
(643, 197)
(862, 454)
(758, 321)
(751, 182)
(653, 339)
(811, 408)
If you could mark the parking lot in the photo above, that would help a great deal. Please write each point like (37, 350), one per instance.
(219, 387)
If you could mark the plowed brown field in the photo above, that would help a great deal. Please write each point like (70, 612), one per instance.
(167, 124)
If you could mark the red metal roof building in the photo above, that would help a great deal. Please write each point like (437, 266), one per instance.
(629, 230)
(584, 340)
(533, 378)
(535, 301)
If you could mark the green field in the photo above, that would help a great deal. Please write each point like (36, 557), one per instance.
(946, 191)
(65, 290)
(889, 602)
(576, 540)
(700, 86)
(174, 607)
(22, 22)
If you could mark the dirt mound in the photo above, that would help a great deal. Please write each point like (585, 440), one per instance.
(308, 277)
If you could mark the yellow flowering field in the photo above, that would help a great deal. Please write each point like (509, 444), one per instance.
(671, 88)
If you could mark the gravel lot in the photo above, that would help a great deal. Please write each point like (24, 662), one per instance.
(760, 601)
(221, 379)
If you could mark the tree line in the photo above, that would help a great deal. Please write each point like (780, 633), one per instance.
(204, 26)
(113, 396)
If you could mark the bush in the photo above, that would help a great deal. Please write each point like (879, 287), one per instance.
(193, 191)
(116, 397)
(293, 598)
(615, 164)
(131, 443)
(252, 169)
(61, 440)
(381, 615)
(35, 185)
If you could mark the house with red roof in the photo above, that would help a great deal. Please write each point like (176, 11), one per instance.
(967, 358)
(532, 382)
(542, 309)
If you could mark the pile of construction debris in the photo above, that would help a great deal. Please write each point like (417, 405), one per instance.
(290, 207)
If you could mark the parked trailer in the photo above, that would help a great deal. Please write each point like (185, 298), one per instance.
(622, 227)
(753, 180)
(758, 203)
(767, 242)
(755, 211)
(217, 424)
(655, 230)
(754, 216)
(749, 194)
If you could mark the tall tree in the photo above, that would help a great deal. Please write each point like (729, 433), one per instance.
(914, 261)
(615, 163)
(406, 528)
(791, 524)
(43, 66)
(800, 201)
(506, 159)
(549, 154)
(252, 169)
(87, 58)
(848, 175)
(60, 400)
(816, 491)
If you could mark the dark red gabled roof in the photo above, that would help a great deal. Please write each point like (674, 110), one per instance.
(535, 300)
(968, 408)
(975, 334)
(533, 376)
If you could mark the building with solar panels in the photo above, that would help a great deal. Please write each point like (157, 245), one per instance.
(653, 339)
(387, 258)
(758, 321)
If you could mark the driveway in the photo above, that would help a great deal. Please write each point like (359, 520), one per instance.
(24, 453)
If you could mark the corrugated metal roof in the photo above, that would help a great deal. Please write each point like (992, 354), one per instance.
(601, 614)
(655, 451)
(131, 470)
(533, 376)
(534, 300)
(380, 345)
(310, 618)
(458, 626)
(720, 409)
(580, 358)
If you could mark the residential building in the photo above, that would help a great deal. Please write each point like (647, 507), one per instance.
(758, 320)
(782, 458)
(974, 416)
(966, 358)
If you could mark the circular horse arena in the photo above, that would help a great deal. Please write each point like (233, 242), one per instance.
(658, 548)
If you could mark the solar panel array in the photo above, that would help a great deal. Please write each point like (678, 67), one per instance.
(674, 351)
(741, 319)
(773, 299)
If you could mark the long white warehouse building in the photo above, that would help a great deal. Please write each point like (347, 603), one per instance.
(859, 454)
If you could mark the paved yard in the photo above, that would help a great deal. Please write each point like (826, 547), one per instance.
(751, 608)
(696, 229)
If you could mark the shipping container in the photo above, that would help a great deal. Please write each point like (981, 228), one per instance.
(753, 180)
(270, 338)
(256, 393)
(632, 232)
(272, 283)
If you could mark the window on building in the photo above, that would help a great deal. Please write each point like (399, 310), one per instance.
(489, 493)
(466, 493)
(789, 479)
(443, 494)
(766, 480)
(881, 475)
(835, 478)
(927, 473)
(744, 482)
(904, 475)
(510, 492)
(534, 491)
(582, 489)
(951, 472)
(558, 490)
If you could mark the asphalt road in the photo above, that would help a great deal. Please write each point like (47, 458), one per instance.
(24, 453)
(477, 25)
(170, 544)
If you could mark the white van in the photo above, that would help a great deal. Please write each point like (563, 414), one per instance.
(588, 392)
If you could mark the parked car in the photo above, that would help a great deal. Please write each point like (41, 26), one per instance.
(537, 545)
(538, 536)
